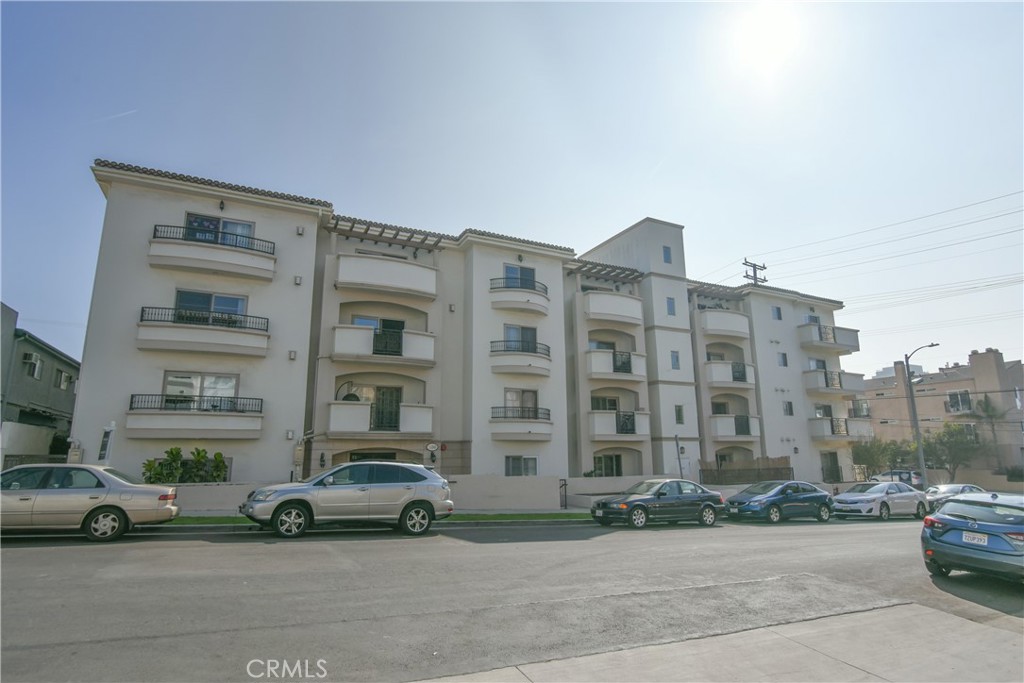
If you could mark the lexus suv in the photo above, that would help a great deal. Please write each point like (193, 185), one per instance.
(407, 495)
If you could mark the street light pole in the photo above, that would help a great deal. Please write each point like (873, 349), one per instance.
(913, 415)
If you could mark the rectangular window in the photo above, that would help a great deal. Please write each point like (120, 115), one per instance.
(814, 319)
(604, 403)
(787, 408)
(679, 415)
(666, 254)
(520, 466)
(608, 465)
(520, 277)
(33, 365)
(972, 432)
(822, 410)
(958, 401)
(207, 308)
(671, 305)
(675, 360)
(596, 345)
(783, 360)
(719, 408)
(816, 364)
(233, 233)
(520, 339)
(714, 355)
(197, 390)
(62, 380)
(776, 313)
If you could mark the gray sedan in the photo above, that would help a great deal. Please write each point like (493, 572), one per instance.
(101, 501)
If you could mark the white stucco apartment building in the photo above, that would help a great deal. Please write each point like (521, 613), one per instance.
(264, 326)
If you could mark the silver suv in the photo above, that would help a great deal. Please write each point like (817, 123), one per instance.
(408, 495)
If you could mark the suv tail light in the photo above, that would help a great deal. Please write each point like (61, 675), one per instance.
(1017, 539)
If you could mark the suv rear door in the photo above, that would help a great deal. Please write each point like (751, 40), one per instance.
(393, 486)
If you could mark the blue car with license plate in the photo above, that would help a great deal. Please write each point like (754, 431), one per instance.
(976, 532)
(778, 500)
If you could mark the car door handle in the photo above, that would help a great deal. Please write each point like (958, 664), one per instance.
(408, 488)
(363, 488)
(29, 498)
(94, 497)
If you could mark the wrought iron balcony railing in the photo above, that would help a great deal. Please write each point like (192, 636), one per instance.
(520, 413)
(520, 346)
(178, 402)
(622, 361)
(742, 423)
(387, 343)
(625, 422)
(183, 316)
(208, 236)
(385, 418)
(739, 372)
(518, 283)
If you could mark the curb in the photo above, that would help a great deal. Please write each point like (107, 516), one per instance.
(444, 523)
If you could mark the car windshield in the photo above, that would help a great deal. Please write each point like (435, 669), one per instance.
(983, 512)
(762, 487)
(867, 487)
(127, 478)
(944, 488)
(644, 486)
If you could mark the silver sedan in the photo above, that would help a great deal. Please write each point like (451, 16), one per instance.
(101, 501)
(881, 500)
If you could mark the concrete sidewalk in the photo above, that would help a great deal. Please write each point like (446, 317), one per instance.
(899, 643)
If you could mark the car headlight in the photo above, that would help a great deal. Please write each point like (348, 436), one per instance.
(755, 503)
(263, 494)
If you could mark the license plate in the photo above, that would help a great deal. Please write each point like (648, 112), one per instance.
(976, 539)
(733, 509)
(598, 513)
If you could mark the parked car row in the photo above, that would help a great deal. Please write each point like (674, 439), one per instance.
(105, 503)
(673, 500)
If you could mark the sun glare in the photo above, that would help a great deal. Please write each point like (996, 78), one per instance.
(766, 40)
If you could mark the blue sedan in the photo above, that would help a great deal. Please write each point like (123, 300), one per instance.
(778, 500)
(976, 532)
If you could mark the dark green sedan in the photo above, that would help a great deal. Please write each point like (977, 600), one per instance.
(660, 500)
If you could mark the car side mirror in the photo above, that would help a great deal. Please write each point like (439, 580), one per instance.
(327, 481)
(660, 494)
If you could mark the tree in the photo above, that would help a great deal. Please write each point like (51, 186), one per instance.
(952, 448)
(986, 410)
(877, 455)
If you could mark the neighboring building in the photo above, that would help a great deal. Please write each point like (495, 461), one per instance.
(292, 339)
(38, 393)
(951, 395)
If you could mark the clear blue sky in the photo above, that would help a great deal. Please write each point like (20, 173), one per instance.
(793, 135)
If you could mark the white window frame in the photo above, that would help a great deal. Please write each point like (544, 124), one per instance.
(680, 415)
(776, 312)
(674, 360)
(601, 465)
(520, 466)
(670, 305)
(960, 397)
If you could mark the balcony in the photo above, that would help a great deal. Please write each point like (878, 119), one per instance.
(385, 274)
(724, 323)
(176, 329)
(520, 357)
(395, 347)
(735, 428)
(840, 429)
(162, 416)
(620, 425)
(613, 307)
(521, 424)
(354, 419)
(623, 366)
(211, 251)
(729, 375)
(520, 294)
(817, 337)
(834, 382)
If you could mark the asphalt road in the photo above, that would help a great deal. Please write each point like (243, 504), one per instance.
(359, 605)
